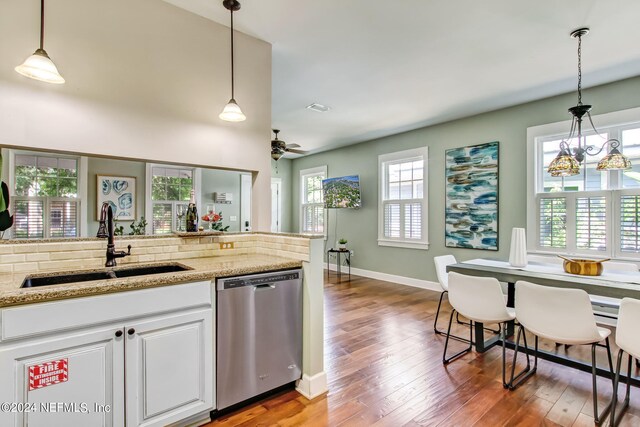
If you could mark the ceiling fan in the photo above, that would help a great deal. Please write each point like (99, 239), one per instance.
(279, 147)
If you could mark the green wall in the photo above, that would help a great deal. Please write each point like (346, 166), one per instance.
(508, 126)
(282, 169)
(103, 166)
(221, 181)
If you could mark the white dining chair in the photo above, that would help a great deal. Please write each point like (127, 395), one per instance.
(628, 340)
(479, 299)
(441, 263)
(564, 316)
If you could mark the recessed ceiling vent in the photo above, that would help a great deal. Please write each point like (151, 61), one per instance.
(318, 107)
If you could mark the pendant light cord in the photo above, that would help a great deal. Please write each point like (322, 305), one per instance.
(579, 70)
(41, 24)
(232, 82)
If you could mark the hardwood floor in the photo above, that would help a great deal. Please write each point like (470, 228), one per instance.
(384, 367)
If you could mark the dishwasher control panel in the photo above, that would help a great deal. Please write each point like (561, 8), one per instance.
(238, 282)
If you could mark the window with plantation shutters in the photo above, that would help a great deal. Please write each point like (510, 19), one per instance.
(170, 193)
(45, 202)
(312, 200)
(630, 224)
(594, 213)
(402, 211)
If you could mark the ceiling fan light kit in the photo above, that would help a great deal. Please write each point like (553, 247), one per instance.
(232, 111)
(279, 147)
(567, 162)
(39, 66)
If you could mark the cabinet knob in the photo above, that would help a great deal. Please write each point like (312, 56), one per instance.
(131, 331)
(118, 333)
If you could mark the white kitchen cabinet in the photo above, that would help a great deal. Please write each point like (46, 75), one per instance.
(169, 368)
(127, 365)
(95, 380)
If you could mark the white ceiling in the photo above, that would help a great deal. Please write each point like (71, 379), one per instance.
(390, 66)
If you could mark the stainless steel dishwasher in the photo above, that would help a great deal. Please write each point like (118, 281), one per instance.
(259, 334)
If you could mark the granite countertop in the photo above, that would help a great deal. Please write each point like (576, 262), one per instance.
(201, 269)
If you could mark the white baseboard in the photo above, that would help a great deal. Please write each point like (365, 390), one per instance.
(402, 280)
(314, 386)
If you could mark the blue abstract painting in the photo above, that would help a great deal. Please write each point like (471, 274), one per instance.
(471, 197)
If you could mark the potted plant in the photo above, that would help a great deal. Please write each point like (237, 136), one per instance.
(342, 244)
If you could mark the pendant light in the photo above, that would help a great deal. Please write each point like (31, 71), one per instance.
(232, 111)
(39, 66)
(567, 162)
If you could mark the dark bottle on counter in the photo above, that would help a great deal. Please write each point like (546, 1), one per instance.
(192, 214)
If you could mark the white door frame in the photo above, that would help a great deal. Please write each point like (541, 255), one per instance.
(276, 211)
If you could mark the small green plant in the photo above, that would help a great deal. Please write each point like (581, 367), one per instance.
(342, 241)
(138, 229)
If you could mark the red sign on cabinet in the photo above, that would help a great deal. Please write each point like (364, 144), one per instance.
(48, 373)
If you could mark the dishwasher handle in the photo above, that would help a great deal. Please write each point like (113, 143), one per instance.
(264, 286)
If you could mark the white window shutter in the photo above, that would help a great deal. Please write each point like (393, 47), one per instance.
(552, 226)
(630, 223)
(591, 223)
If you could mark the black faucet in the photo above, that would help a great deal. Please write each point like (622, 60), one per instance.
(106, 230)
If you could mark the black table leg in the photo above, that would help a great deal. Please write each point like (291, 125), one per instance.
(511, 301)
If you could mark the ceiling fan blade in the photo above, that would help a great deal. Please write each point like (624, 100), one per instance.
(293, 146)
(294, 151)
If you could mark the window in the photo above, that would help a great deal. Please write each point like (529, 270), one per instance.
(593, 213)
(46, 201)
(312, 201)
(170, 193)
(402, 210)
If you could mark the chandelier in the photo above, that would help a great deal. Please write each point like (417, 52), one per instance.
(567, 162)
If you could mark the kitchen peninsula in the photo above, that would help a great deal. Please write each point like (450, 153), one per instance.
(135, 350)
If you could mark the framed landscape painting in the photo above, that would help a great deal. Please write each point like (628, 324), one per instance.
(120, 193)
(471, 197)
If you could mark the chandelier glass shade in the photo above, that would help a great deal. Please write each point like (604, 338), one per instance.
(567, 162)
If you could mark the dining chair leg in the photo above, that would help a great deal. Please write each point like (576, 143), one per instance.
(615, 418)
(446, 360)
(516, 380)
(611, 370)
(597, 417)
(435, 322)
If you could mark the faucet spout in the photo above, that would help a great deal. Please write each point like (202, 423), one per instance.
(106, 230)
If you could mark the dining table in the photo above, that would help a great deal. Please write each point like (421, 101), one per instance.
(611, 285)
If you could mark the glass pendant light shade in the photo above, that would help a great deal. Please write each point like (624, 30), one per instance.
(615, 160)
(40, 67)
(232, 112)
(564, 165)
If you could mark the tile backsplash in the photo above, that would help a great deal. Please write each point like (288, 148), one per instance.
(70, 255)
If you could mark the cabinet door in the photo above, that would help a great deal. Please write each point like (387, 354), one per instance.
(169, 368)
(75, 379)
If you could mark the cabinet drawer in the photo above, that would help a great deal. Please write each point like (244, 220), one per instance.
(37, 319)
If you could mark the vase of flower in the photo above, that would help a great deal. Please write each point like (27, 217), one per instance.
(215, 221)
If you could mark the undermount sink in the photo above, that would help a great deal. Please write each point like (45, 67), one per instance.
(37, 281)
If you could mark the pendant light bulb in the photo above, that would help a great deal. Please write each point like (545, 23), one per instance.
(232, 112)
(39, 66)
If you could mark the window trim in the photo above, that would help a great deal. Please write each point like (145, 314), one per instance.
(618, 119)
(420, 152)
(148, 203)
(318, 170)
(82, 222)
